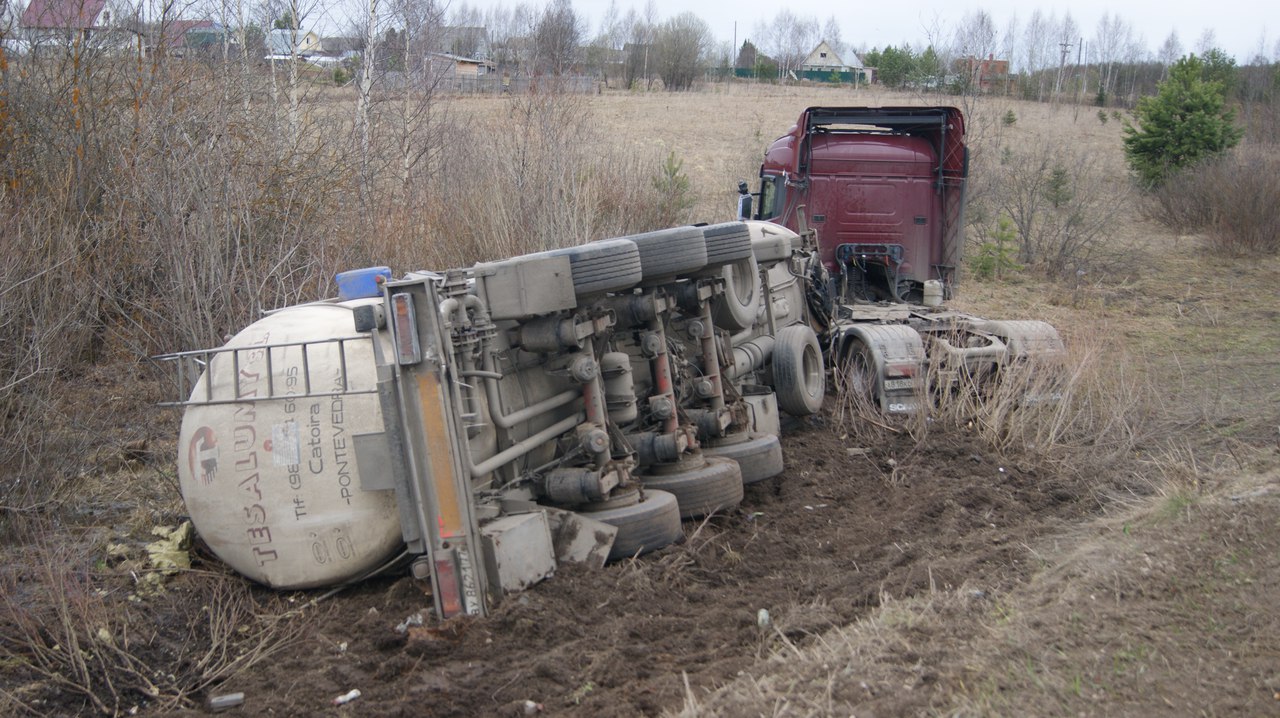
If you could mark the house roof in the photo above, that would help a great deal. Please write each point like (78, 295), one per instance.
(280, 42)
(175, 33)
(823, 55)
(62, 14)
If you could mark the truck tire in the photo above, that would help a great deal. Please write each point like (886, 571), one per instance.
(739, 306)
(726, 243)
(668, 253)
(760, 456)
(647, 525)
(859, 373)
(714, 484)
(798, 375)
(607, 266)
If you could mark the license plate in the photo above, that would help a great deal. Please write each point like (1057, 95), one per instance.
(891, 384)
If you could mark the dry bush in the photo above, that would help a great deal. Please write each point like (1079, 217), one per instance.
(144, 209)
(1232, 199)
(1063, 204)
(541, 175)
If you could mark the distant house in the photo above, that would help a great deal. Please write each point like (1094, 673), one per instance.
(447, 65)
(280, 44)
(87, 23)
(185, 37)
(824, 64)
(985, 75)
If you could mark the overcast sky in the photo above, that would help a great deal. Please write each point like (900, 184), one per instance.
(1238, 25)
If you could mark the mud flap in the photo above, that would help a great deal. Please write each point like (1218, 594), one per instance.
(894, 354)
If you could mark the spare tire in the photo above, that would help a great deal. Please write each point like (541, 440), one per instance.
(739, 306)
(798, 374)
(667, 253)
(609, 265)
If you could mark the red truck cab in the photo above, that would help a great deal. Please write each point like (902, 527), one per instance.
(884, 190)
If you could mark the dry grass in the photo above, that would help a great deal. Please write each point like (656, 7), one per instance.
(75, 634)
(1088, 408)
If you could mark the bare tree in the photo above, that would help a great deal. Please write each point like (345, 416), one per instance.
(831, 33)
(1035, 49)
(369, 26)
(1207, 41)
(1170, 51)
(1109, 43)
(681, 45)
(557, 37)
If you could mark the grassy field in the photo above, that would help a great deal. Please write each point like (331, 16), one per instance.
(1133, 571)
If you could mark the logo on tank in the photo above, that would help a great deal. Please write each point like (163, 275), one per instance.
(202, 455)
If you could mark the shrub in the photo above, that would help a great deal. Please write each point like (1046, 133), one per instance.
(1061, 203)
(1185, 123)
(995, 256)
(1232, 199)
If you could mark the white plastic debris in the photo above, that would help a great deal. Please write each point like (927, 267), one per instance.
(414, 620)
(347, 697)
(762, 618)
(225, 701)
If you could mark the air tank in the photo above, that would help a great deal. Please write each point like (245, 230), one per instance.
(267, 463)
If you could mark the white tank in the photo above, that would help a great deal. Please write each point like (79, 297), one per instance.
(272, 485)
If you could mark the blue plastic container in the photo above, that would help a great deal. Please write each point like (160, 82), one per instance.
(361, 283)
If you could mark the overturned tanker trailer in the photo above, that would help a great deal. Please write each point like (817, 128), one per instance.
(483, 424)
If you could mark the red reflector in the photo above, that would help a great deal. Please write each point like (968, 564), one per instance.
(900, 370)
(447, 587)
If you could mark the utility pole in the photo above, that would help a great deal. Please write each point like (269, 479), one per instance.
(1062, 63)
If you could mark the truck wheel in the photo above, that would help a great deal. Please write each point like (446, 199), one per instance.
(859, 373)
(666, 253)
(727, 242)
(798, 374)
(737, 308)
(606, 266)
(760, 456)
(647, 525)
(714, 484)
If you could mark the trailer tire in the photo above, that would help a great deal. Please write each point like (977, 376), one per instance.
(739, 306)
(727, 242)
(798, 375)
(647, 525)
(714, 485)
(760, 457)
(606, 266)
(667, 253)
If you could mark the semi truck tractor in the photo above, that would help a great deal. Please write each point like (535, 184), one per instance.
(883, 191)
